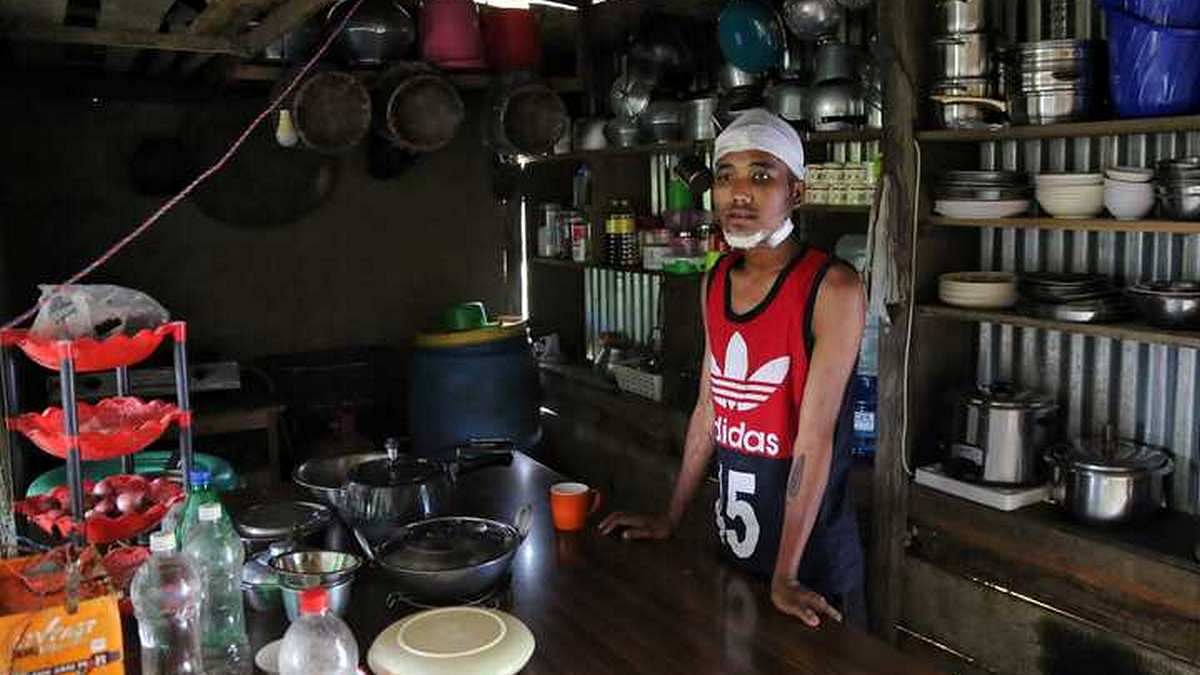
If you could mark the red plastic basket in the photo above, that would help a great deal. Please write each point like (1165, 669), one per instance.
(51, 511)
(91, 354)
(111, 428)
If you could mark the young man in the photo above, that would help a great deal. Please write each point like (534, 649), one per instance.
(782, 323)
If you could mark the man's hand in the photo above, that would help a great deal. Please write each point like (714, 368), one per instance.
(637, 525)
(796, 600)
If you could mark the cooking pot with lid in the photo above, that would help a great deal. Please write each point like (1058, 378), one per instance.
(1106, 480)
(999, 435)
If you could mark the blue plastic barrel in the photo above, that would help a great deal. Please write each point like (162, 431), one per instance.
(1154, 70)
(462, 390)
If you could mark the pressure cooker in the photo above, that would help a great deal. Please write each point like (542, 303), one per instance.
(999, 435)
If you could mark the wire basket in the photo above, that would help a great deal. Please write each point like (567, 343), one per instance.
(634, 381)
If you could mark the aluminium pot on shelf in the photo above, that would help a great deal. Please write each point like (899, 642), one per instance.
(1108, 481)
(999, 435)
(962, 55)
(960, 16)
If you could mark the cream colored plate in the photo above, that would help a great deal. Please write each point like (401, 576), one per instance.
(452, 641)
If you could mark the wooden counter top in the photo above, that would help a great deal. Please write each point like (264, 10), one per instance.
(601, 605)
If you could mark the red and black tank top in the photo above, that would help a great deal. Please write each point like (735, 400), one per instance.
(758, 368)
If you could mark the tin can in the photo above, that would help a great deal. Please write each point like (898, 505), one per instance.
(579, 241)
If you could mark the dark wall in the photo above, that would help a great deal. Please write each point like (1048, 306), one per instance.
(371, 265)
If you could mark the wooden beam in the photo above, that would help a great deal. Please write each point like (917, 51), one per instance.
(902, 41)
(225, 17)
(285, 18)
(124, 39)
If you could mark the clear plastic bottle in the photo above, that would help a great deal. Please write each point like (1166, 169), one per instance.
(200, 493)
(317, 642)
(214, 548)
(167, 594)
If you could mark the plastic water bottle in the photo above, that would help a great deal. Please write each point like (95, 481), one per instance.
(864, 399)
(201, 493)
(317, 642)
(167, 594)
(214, 548)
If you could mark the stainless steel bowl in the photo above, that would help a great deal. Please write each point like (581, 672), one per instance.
(730, 77)
(381, 31)
(306, 569)
(662, 122)
(789, 100)
(1168, 304)
(1180, 202)
(338, 596)
(324, 478)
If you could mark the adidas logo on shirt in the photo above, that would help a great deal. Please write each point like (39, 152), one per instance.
(732, 389)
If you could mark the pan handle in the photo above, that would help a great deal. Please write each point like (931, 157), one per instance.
(524, 520)
(990, 102)
(361, 539)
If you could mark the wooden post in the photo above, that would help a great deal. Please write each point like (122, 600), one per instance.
(899, 28)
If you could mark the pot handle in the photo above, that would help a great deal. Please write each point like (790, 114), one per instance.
(978, 100)
(523, 520)
(1055, 457)
(1167, 468)
(363, 543)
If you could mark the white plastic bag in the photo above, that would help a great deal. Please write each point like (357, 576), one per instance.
(95, 310)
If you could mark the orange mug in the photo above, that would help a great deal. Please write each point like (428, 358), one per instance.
(571, 504)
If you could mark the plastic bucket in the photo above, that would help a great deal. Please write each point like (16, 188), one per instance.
(1154, 70)
(1173, 13)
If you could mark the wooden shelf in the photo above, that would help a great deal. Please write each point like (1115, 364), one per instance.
(1093, 224)
(852, 136)
(265, 72)
(833, 209)
(1148, 125)
(571, 264)
(1138, 332)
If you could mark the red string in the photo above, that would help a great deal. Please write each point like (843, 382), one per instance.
(198, 181)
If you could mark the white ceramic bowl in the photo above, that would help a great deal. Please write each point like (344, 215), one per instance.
(1130, 174)
(1065, 179)
(978, 290)
(1072, 201)
(1129, 204)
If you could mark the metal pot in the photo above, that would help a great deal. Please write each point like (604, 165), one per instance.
(261, 525)
(999, 435)
(698, 119)
(836, 61)
(621, 132)
(837, 106)
(1046, 107)
(451, 559)
(1168, 304)
(810, 19)
(629, 96)
(963, 115)
(1107, 481)
(789, 100)
(589, 134)
(381, 31)
(1180, 202)
(730, 77)
(962, 55)
(662, 121)
(960, 16)
(325, 477)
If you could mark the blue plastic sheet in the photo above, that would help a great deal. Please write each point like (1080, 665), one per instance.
(1174, 13)
(1154, 70)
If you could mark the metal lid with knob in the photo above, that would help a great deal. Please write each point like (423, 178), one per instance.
(1002, 395)
(1111, 455)
(397, 469)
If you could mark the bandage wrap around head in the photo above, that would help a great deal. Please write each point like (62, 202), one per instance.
(760, 129)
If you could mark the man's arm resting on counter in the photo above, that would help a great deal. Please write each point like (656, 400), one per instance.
(837, 331)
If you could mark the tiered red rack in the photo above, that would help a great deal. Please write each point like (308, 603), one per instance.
(114, 427)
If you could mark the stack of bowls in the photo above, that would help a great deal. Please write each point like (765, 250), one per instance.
(981, 194)
(1168, 304)
(301, 570)
(1055, 81)
(978, 290)
(1071, 195)
(1179, 188)
(1072, 297)
(963, 64)
(1128, 192)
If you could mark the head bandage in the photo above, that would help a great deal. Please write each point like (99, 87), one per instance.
(760, 129)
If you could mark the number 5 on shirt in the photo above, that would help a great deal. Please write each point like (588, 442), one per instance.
(740, 484)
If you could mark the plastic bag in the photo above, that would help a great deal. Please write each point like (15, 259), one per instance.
(97, 311)
(1174, 13)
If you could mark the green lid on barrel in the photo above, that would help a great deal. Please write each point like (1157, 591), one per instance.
(464, 316)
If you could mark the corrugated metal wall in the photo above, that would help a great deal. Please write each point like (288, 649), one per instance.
(628, 303)
(1148, 392)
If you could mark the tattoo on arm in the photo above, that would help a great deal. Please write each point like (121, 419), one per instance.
(796, 477)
